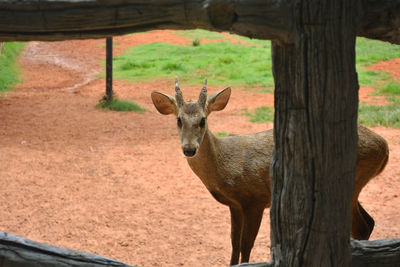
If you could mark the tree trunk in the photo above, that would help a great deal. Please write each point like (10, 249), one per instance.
(315, 131)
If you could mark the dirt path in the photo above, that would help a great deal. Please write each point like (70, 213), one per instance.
(117, 184)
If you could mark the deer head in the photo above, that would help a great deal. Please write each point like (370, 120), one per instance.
(191, 117)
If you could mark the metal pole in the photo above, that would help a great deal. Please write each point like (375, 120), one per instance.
(109, 57)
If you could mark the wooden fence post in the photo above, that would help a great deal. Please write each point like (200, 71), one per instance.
(109, 69)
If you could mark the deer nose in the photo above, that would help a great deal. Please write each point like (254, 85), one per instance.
(189, 151)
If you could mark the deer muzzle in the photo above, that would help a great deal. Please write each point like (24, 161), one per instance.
(189, 151)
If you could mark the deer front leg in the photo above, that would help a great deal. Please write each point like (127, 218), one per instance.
(252, 220)
(236, 233)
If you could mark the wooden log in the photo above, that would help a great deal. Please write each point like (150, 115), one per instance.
(50, 20)
(380, 20)
(377, 253)
(16, 251)
(60, 20)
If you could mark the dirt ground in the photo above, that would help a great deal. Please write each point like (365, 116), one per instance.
(117, 184)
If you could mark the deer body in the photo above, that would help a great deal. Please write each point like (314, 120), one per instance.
(233, 165)
(235, 169)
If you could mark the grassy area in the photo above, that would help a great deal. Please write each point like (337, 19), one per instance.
(388, 115)
(120, 105)
(9, 70)
(391, 88)
(222, 63)
(369, 52)
(222, 134)
(229, 64)
(260, 114)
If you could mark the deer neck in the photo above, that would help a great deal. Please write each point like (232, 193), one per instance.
(204, 163)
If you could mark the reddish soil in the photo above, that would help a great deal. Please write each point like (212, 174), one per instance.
(117, 184)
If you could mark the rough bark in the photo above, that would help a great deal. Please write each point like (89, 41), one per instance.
(315, 131)
(17, 251)
(50, 20)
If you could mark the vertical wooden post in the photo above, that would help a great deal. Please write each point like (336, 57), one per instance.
(109, 58)
(315, 131)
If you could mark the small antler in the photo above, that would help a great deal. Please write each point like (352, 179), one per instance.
(178, 94)
(203, 95)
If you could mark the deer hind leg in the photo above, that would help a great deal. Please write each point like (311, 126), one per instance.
(252, 220)
(362, 223)
(236, 233)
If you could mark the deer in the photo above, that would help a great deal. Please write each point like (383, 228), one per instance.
(235, 169)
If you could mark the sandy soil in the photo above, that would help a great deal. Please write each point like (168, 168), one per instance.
(117, 184)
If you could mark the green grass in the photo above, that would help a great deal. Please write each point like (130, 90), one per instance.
(371, 78)
(226, 64)
(391, 88)
(260, 114)
(9, 69)
(369, 52)
(120, 105)
(222, 63)
(388, 115)
(222, 134)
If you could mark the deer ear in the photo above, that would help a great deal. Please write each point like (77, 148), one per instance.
(218, 100)
(165, 104)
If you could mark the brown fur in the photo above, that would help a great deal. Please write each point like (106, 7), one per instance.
(235, 169)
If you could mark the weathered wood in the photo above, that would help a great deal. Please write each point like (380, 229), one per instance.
(377, 253)
(82, 19)
(315, 131)
(16, 251)
(109, 69)
(256, 264)
(58, 20)
(380, 20)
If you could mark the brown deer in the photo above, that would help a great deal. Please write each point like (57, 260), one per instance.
(235, 169)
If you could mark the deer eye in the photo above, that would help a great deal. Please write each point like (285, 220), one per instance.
(179, 122)
(202, 122)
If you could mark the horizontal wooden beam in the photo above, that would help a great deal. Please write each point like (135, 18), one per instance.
(380, 19)
(50, 20)
(22, 252)
(376, 253)
(59, 20)
(382, 253)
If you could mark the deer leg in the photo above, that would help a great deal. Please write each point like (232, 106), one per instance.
(236, 233)
(362, 223)
(252, 220)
